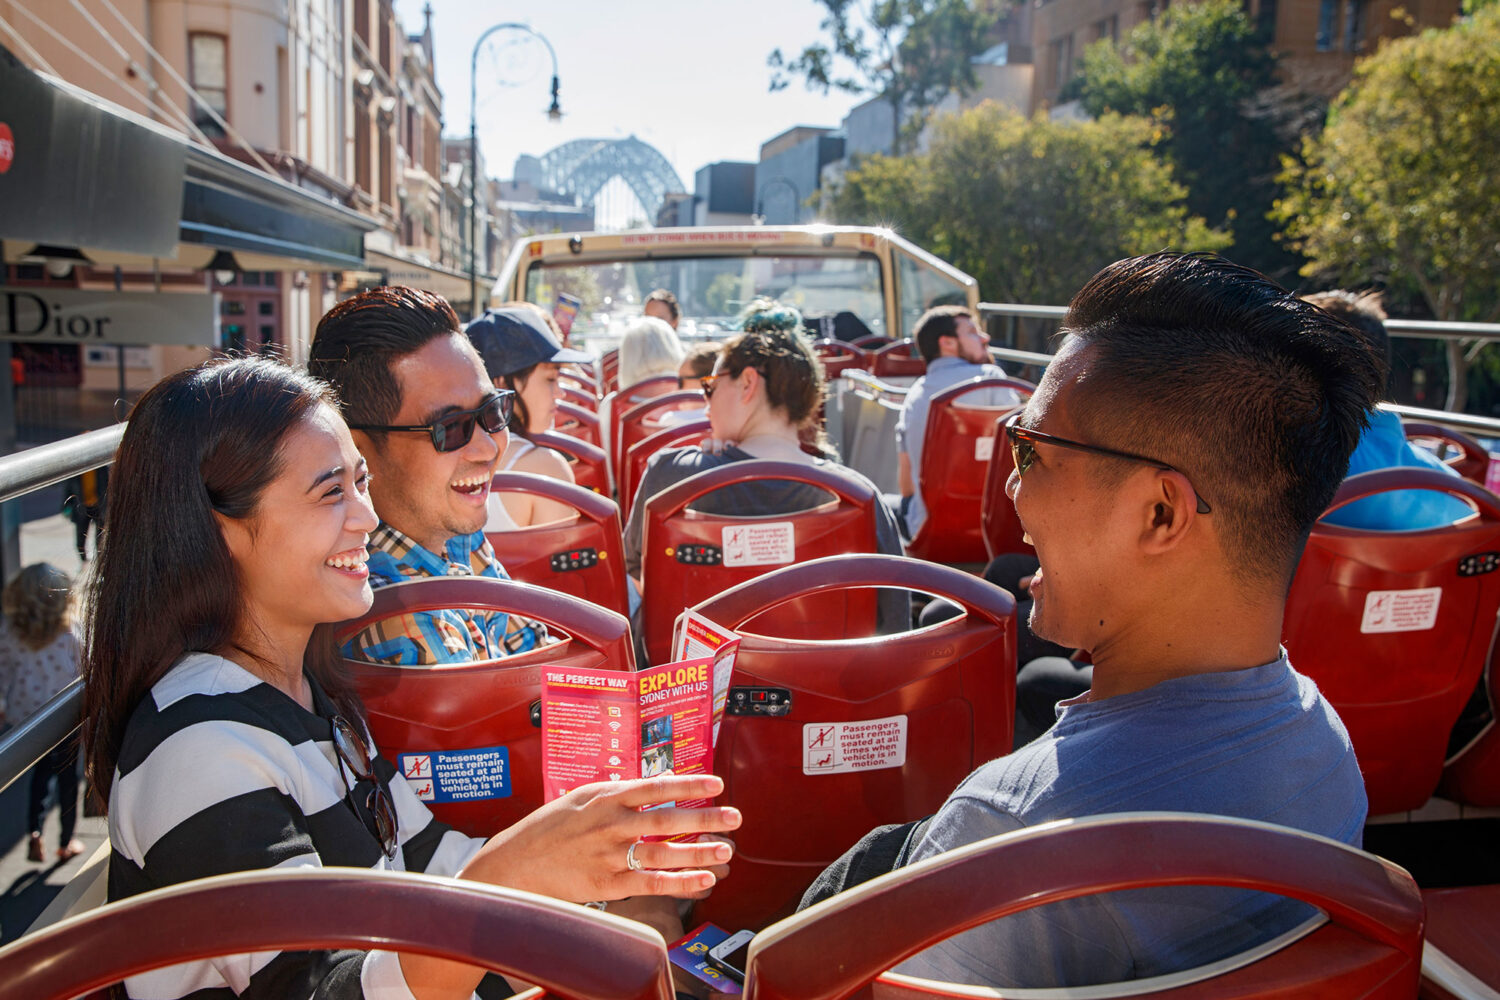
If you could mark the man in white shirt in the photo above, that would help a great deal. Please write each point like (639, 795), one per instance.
(956, 350)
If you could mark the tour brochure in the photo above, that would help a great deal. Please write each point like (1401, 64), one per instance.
(611, 725)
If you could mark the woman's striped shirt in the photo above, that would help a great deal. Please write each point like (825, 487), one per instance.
(221, 772)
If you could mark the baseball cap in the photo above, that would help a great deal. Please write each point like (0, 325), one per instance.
(514, 338)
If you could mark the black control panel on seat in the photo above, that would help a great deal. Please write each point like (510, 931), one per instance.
(573, 559)
(758, 701)
(700, 555)
(1479, 563)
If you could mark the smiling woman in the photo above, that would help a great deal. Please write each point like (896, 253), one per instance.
(221, 723)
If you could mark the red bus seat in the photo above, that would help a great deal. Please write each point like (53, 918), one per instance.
(575, 421)
(644, 419)
(1395, 627)
(586, 460)
(871, 342)
(957, 448)
(609, 370)
(949, 687)
(563, 948)
(1470, 459)
(897, 358)
(488, 703)
(579, 397)
(1370, 947)
(1460, 960)
(584, 557)
(1472, 775)
(638, 455)
(838, 357)
(998, 522)
(683, 552)
(581, 377)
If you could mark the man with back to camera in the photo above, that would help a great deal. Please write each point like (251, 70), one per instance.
(1168, 470)
(1383, 445)
(956, 350)
(431, 426)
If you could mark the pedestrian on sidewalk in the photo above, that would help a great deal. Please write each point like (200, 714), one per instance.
(38, 658)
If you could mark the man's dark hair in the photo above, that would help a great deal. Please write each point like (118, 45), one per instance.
(1255, 395)
(667, 299)
(1364, 312)
(936, 323)
(701, 357)
(359, 340)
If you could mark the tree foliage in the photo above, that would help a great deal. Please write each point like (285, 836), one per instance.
(1029, 207)
(1202, 69)
(912, 53)
(1401, 185)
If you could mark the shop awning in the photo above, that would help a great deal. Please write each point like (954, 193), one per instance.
(87, 174)
(398, 270)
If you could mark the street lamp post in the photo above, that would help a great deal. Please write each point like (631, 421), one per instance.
(554, 112)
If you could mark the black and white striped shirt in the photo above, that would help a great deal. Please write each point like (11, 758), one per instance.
(221, 772)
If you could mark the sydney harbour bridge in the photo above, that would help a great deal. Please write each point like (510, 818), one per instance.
(585, 167)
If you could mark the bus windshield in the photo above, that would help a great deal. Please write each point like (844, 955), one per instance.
(713, 290)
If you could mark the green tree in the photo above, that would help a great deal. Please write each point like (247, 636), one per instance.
(1400, 187)
(1029, 207)
(1203, 69)
(911, 53)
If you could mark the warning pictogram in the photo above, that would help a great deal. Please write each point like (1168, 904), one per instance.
(841, 747)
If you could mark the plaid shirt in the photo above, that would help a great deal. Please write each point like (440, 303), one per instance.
(431, 637)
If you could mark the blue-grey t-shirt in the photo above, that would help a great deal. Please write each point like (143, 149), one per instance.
(1259, 744)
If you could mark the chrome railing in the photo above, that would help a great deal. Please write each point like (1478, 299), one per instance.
(21, 473)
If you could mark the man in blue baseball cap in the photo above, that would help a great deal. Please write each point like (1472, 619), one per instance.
(522, 354)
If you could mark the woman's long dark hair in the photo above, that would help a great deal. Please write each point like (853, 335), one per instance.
(201, 441)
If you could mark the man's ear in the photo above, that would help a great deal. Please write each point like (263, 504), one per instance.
(1169, 512)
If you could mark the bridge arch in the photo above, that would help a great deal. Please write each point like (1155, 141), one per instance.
(584, 166)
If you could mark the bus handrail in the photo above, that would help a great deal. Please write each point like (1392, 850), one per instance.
(35, 468)
(24, 472)
(39, 733)
(1425, 329)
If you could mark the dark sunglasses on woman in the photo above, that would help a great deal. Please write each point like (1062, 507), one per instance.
(452, 431)
(355, 755)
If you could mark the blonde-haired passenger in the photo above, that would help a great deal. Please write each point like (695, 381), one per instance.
(38, 658)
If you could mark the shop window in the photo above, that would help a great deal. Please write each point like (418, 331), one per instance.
(1356, 19)
(1328, 13)
(266, 308)
(208, 73)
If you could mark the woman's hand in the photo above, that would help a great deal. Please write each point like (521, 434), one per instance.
(577, 847)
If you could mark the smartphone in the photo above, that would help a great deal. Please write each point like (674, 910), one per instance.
(728, 956)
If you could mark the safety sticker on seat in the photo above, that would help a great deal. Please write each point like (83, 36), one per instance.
(841, 747)
(1401, 610)
(773, 544)
(984, 448)
(458, 775)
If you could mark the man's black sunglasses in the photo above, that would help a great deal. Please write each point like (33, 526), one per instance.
(1023, 450)
(452, 431)
(355, 755)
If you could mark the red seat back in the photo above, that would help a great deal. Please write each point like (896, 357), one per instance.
(684, 552)
(949, 688)
(577, 375)
(956, 456)
(1395, 628)
(638, 455)
(579, 397)
(872, 342)
(485, 704)
(897, 358)
(628, 399)
(556, 945)
(609, 370)
(839, 357)
(577, 422)
(586, 460)
(1463, 924)
(644, 419)
(998, 523)
(584, 557)
(1371, 948)
(1470, 460)
(1473, 775)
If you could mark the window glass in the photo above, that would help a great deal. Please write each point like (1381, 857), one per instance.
(920, 287)
(208, 69)
(1328, 12)
(712, 291)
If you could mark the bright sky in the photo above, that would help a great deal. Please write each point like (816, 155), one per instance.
(687, 76)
